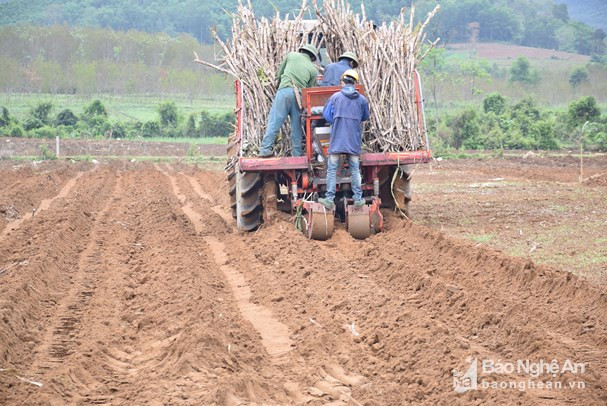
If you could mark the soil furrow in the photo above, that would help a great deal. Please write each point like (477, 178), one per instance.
(44, 205)
(274, 334)
(407, 287)
(133, 286)
(61, 340)
(207, 222)
(45, 251)
(23, 188)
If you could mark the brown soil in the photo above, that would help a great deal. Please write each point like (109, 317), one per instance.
(534, 208)
(23, 186)
(16, 147)
(131, 286)
(504, 51)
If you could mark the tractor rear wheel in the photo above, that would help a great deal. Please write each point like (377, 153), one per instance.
(232, 190)
(232, 152)
(248, 193)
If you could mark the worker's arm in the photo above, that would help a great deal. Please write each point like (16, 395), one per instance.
(312, 80)
(327, 111)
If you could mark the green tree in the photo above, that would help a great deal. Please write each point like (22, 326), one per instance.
(95, 117)
(495, 103)
(475, 70)
(522, 72)
(191, 130)
(67, 118)
(544, 135)
(12, 78)
(32, 123)
(95, 109)
(560, 12)
(578, 76)
(151, 129)
(582, 110)
(499, 22)
(524, 115)
(435, 66)
(541, 32)
(598, 42)
(5, 118)
(42, 112)
(465, 130)
(49, 74)
(169, 116)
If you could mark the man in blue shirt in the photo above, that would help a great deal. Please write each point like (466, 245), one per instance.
(334, 71)
(345, 111)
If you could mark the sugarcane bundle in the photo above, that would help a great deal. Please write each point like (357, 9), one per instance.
(253, 54)
(388, 54)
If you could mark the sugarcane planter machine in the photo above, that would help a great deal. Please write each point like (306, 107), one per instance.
(259, 187)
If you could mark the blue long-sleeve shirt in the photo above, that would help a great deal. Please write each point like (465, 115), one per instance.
(345, 111)
(333, 72)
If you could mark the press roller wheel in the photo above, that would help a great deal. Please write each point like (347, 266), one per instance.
(359, 226)
(320, 225)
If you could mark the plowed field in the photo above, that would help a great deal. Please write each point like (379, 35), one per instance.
(127, 283)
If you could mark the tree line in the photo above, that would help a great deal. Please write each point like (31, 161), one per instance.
(501, 123)
(62, 59)
(536, 23)
(43, 121)
(497, 124)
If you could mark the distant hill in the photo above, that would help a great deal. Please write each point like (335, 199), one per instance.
(591, 12)
(534, 23)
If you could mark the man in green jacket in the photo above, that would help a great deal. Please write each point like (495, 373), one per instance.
(296, 72)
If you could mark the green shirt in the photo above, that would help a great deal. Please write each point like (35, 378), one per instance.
(297, 69)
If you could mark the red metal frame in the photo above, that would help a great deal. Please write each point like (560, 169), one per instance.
(295, 170)
(318, 96)
(238, 111)
(371, 159)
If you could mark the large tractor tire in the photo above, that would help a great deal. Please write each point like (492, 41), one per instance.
(396, 195)
(232, 190)
(232, 152)
(248, 193)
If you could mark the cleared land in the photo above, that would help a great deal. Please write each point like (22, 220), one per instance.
(130, 285)
(495, 51)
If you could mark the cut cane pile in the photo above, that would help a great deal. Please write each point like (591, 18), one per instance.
(388, 54)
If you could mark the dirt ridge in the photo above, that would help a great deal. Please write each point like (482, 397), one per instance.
(121, 293)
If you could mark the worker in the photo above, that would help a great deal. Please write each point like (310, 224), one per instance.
(296, 72)
(345, 111)
(334, 71)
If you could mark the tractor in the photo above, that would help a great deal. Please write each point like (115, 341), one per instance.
(259, 187)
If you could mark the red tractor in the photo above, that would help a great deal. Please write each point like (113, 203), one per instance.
(261, 186)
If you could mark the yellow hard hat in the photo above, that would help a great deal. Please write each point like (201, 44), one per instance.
(351, 73)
